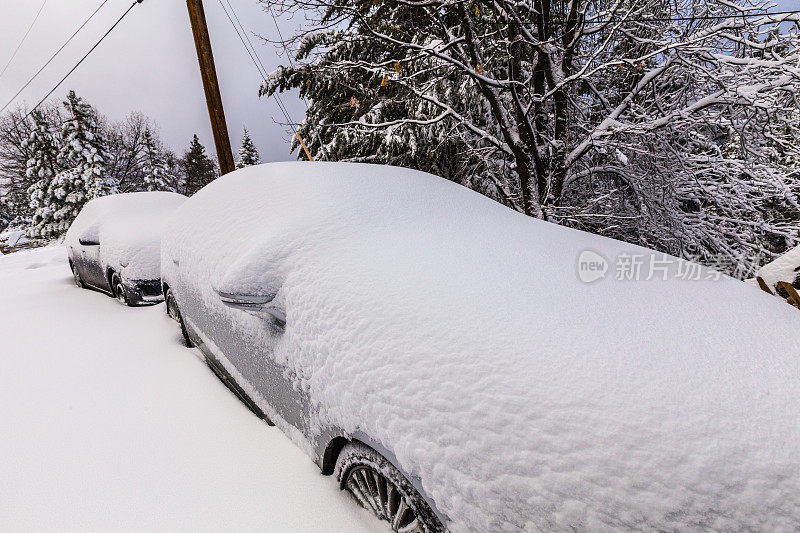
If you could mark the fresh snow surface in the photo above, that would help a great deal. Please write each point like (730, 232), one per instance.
(110, 424)
(784, 268)
(13, 237)
(456, 332)
(129, 228)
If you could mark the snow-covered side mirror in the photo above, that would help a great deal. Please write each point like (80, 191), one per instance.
(90, 236)
(255, 305)
(253, 282)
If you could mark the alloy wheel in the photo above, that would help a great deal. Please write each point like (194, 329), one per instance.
(378, 494)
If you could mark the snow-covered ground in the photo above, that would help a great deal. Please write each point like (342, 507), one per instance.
(108, 423)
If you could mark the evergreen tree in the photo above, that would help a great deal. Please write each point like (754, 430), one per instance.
(66, 197)
(83, 148)
(42, 168)
(14, 155)
(198, 168)
(154, 166)
(248, 155)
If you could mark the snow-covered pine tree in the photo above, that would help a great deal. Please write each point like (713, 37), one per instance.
(67, 195)
(14, 155)
(248, 154)
(199, 169)
(42, 167)
(83, 147)
(154, 166)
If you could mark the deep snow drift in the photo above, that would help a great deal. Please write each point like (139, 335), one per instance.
(110, 424)
(457, 332)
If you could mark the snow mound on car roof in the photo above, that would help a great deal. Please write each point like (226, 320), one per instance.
(458, 334)
(129, 228)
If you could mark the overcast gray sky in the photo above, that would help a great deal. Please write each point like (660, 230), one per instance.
(148, 64)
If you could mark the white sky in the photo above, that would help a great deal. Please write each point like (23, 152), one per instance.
(148, 64)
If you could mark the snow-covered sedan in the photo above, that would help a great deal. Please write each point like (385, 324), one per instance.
(114, 244)
(459, 365)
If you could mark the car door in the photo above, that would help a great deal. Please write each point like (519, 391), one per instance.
(252, 355)
(90, 269)
(274, 381)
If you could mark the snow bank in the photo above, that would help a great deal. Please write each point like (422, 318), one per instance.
(13, 238)
(785, 268)
(111, 424)
(457, 333)
(129, 228)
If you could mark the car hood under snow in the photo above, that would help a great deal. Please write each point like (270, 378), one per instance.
(458, 334)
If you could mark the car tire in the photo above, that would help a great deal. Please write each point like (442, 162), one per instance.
(381, 488)
(118, 289)
(75, 275)
(175, 313)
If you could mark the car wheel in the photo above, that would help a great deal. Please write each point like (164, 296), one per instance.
(175, 313)
(380, 488)
(118, 289)
(76, 276)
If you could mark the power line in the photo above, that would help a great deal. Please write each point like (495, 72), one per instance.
(92, 49)
(256, 61)
(255, 53)
(291, 62)
(14, 54)
(54, 55)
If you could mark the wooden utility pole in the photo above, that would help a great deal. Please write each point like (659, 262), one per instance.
(210, 85)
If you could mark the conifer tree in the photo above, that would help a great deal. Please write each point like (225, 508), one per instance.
(248, 154)
(66, 197)
(42, 167)
(199, 169)
(83, 148)
(154, 166)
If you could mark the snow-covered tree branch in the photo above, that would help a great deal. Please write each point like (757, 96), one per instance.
(671, 124)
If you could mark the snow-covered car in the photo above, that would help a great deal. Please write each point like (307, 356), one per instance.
(457, 364)
(114, 244)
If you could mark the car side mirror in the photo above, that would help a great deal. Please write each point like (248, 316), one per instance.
(90, 236)
(255, 305)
